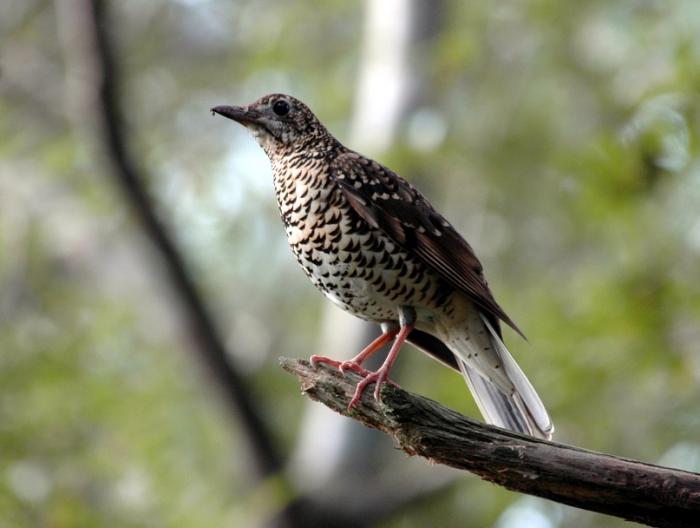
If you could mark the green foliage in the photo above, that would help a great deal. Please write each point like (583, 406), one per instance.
(569, 160)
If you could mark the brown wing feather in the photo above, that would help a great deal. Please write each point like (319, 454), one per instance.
(390, 203)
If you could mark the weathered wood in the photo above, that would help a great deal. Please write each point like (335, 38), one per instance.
(633, 490)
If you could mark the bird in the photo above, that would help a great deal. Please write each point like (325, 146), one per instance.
(376, 247)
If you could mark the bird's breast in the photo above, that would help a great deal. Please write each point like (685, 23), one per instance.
(355, 265)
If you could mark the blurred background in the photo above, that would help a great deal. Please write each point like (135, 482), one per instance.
(561, 138)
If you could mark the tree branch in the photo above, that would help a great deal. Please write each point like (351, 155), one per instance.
(93, 50)
(632, 490)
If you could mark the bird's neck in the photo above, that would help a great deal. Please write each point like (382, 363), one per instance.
(303, 155)
(303, 166)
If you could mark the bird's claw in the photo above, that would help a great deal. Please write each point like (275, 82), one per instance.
(342, 366)
(379, 378)
(316, 360)
(353, 366)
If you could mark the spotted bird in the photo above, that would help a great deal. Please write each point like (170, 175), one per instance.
(377, 248)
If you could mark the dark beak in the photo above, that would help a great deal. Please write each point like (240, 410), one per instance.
(237, 113)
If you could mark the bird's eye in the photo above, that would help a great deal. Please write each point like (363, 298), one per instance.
(281, 108)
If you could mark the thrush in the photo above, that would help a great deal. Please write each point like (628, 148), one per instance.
(375, 246)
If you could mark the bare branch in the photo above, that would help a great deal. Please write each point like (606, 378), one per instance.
(632, 490)
(93, 48)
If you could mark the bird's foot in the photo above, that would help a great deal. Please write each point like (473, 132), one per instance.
(379, 378)
(342, 366)
(353, 366)
(316, 360)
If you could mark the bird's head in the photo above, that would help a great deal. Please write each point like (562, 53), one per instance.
(280, 123)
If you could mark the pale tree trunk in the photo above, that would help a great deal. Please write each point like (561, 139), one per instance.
(391, 80)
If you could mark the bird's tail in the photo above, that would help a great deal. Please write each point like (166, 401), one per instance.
(512, 403)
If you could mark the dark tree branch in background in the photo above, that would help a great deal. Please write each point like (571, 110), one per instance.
(632, 490)
(87, 24)
(103, 93)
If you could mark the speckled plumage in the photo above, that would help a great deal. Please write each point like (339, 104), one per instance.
(377, 248)
(354, 264)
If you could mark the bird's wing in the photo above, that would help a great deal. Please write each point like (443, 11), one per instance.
(389, 203)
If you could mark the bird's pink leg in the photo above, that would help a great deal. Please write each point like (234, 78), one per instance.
(355, 364)
(382, 375)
